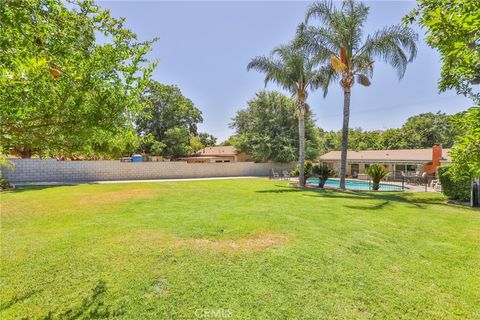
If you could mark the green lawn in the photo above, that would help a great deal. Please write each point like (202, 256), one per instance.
(248, 249)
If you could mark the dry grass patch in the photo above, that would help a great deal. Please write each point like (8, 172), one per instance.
(152, 240)
(81, 200)
(101, 198)
(256, 242)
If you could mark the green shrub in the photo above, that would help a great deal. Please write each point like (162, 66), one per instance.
(308, 170)
(6, 165)
(322, 172)
(377, 172)
(454, 186)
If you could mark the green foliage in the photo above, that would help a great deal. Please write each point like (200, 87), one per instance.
(453, 28)
(177, 143)
(268, 129)
(419, 131)
(207, 140)
(426, 129)
(377, 172)
(308, 170)
(148, 144)
(322, 172)
(170, 118)
(466, 151)
(4, 165)
(67, 72)
(454, 185)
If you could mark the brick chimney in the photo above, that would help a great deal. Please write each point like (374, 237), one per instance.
(436, 156)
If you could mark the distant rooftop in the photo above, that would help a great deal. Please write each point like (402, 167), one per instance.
(423, 155)
(217, 151)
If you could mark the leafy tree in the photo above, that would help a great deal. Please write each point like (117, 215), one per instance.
(231, 141)
(177, 143)
(70, 76)
(466, 151)
(169, 117)
(339, 37)
(292, 67)
(419, 131)
(148, 144)
(426, 129)
(207, 140)
(267, 129)
(453, 27)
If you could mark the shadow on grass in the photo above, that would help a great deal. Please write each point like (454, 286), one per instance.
(280, 190)
(92, 307)
(25, 188)
(378, 206)
(17, 299)
(386, 198)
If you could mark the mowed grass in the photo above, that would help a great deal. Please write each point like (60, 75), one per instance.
(243, 249)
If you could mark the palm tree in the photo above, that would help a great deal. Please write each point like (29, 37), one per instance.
(377, 172)
(338, 37)
(291, 67)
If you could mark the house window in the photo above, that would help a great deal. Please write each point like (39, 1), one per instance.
(218, 161)
(411, 168)
(328, 164)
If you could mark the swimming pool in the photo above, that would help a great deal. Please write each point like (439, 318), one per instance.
(356, 185)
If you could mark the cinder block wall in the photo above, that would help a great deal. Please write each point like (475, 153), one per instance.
(33, 170)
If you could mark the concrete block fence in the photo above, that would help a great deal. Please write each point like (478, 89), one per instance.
(34, 170)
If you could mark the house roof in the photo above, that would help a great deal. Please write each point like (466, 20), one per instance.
(217, 151)
(420, 155)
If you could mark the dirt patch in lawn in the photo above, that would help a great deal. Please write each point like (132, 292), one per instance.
(100, 198)
(252, 243)
(151, 240)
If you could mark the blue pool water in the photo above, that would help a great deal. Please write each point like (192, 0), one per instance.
(356, 185)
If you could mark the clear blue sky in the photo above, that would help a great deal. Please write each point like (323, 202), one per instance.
(204, 48)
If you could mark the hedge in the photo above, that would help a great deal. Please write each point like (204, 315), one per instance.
(455, 188)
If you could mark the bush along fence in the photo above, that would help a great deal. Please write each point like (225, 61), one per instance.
(32, 170)
(455, 188)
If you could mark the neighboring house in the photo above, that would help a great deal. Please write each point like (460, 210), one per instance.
(408, 161)
(217, 155)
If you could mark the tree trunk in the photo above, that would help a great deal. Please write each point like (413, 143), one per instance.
(346, 119)
(25, 154)
(301, 142)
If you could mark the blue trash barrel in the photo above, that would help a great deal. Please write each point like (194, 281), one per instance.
(137, 158)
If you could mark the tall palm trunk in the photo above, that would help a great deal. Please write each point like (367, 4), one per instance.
(301, 141)
(346, 119)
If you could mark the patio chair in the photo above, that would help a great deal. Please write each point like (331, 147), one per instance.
(286, 174)
(436, 185)
(275, 175)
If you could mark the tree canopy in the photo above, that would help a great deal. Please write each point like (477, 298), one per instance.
(169, 118)
(466, 152)
(70, 78)
(268, 129)
(453, 27)
(419, 131)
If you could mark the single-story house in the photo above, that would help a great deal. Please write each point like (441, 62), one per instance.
(407, 161)
(217, 154)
